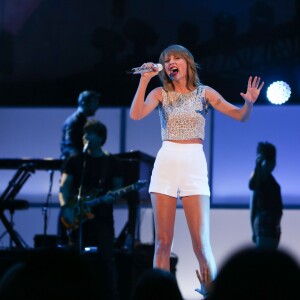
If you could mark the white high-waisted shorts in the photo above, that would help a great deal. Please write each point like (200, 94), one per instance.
(180, 170)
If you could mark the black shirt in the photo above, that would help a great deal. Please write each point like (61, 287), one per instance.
(97, 178)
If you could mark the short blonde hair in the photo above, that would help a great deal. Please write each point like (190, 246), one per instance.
(192, 75)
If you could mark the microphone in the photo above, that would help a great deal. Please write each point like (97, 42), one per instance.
(85, 147)
(141, 70)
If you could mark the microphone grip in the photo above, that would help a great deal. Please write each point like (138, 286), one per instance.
(141, 70)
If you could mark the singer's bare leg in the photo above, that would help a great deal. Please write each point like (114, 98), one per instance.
(197, 212)
(164, 210)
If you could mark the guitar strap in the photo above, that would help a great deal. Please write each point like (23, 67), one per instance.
(103, 173)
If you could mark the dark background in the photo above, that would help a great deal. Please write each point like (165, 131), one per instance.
(50, 50)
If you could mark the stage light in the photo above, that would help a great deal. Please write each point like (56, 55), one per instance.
(278, 92)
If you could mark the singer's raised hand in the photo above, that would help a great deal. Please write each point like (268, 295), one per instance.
(253, 89)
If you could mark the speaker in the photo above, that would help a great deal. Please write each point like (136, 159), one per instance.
(48, 241)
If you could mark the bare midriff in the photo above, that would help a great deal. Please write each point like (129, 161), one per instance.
(192, 141)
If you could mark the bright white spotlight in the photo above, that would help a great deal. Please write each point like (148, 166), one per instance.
(278, 92)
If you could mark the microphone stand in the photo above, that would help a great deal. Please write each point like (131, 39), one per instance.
(80, 204)
(45, 208)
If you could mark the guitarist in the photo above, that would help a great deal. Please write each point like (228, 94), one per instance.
(93, 172)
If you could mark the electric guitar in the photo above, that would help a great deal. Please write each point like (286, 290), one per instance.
(76, 211)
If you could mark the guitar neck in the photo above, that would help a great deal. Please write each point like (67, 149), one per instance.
(115, 194)
(124, 190)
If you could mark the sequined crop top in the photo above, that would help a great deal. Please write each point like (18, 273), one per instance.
(182, 116)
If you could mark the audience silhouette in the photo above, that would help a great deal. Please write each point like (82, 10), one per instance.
(157, 284)
(257, 274)
(49, 274)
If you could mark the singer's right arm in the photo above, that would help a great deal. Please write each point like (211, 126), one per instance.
(141, 108)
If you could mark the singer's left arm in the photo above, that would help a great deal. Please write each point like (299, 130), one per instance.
(238, 113)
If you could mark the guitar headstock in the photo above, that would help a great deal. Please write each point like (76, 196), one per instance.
(140, 184)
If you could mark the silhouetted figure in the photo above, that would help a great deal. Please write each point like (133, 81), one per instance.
(72, 131)
(89, 176)
(257, 274)
(157, 284)
(266, 200)
(48, 274)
